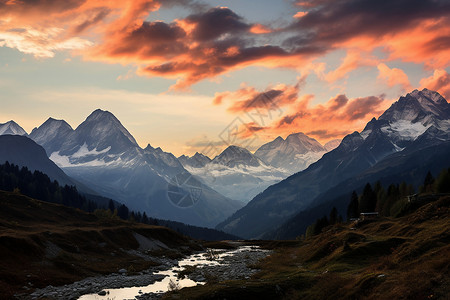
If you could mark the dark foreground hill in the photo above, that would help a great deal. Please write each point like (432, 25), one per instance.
(43, 243)
(386, 258)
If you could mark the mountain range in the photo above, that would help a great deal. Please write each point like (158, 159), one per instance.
(411, 126)
(283, 178)
(241, 175)
(103, 156)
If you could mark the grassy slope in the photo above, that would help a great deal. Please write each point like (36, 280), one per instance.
(43, 243)
(402, 258)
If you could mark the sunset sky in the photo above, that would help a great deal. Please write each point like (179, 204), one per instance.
(190, 75)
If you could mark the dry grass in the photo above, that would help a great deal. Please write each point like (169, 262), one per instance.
(390, 258)
(43, 244)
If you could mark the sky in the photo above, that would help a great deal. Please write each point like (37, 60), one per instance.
(199, 75)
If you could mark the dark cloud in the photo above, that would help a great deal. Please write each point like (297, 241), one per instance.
(40, 6)
(332, 21)
(325, 134)
(154, 39)
(97, 16)
(441, 43)
(156, 32)
(338, 102)
(216, 22)
(359, 108)
(289, 119)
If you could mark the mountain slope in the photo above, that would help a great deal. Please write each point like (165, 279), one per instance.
(356, 153)
(24, 152)
(406, 166)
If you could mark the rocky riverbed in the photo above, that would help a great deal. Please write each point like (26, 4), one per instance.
(213, 265)
(237, 264)
(99, 283)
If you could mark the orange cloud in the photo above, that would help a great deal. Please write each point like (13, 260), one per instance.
(260, 29)
(300, 14)
(334, 119)
(216, 40)
(439, 81)
(352, 61)
(248, 98)
(393, 76)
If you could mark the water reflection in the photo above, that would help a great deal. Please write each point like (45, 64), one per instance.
(210, 257)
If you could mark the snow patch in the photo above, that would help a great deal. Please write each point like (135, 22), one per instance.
(84, 151)
(406, 129)
(63, 161)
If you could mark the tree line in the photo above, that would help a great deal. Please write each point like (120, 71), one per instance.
(388, 202)
(39, 186)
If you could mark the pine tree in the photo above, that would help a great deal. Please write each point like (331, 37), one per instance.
(111, 205)
(353, 207)
(368, 199)
(428, 183)
(145, 218)
(442, 183)
(333, 216)
(123, 212)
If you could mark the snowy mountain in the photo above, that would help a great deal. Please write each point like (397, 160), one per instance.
(12, 128)
(104, 156)
(234, 156)
(237, 173)
(413, 123)
(197, 161)
(51, 134)
(294, 154)
(241, 175)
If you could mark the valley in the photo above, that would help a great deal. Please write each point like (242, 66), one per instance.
(114, 218)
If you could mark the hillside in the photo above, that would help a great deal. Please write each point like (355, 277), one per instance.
(43, 243)
(387, 258)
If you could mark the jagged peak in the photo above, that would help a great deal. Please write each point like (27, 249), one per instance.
(279, 138)
(416, 106)
(428, 95)
(198, 154)
(51, 120)
(11, 127)
(105, 121)
(101, 114)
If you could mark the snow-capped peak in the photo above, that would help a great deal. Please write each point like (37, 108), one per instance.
(427, 95)
(49, 130)
(235, 155)
(12, 128)
(418, 106)
(303, 143)
(198, 160)
(102, 129)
